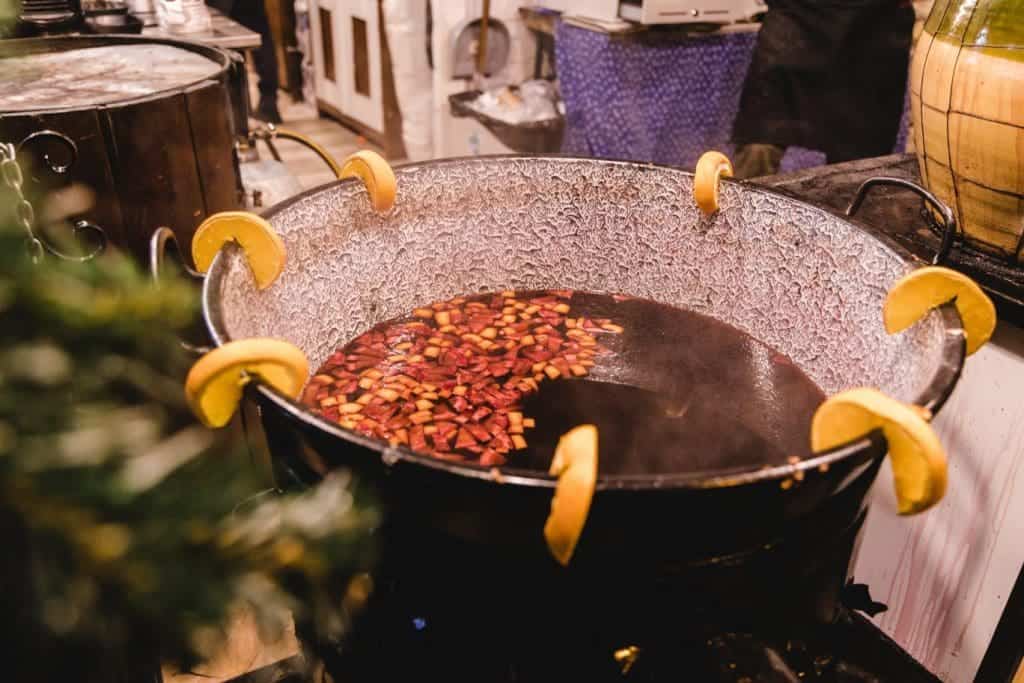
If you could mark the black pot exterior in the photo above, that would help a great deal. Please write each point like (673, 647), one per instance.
(731, 546)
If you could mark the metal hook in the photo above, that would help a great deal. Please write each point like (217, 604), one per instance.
(37, 244)
(99, 242)
(69, 144)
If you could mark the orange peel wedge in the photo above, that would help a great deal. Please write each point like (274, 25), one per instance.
(376, 175)
(711, 168)
(917, 292)
(915, 454)
(214, 385)
(263, 249)
(575, 465)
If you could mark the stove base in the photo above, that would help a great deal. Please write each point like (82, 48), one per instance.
(441, 609)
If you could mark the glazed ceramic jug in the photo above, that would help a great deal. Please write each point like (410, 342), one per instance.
(967, 102)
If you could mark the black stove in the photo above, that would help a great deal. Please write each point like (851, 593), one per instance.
(415, 638)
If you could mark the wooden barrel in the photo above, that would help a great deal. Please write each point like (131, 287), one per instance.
(146, 123)
(967, 97)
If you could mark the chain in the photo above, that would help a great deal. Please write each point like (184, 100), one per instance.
(10, 173)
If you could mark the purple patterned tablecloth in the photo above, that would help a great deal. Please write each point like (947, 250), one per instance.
(665, 102)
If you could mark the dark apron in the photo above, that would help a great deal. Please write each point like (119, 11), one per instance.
(829, 75)
(252, 14)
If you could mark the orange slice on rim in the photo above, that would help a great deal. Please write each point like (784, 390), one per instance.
(575, 465)
(915, 454)
(263, 249)
(918, 292)
(712, 167)
(214, 385)
(376, 174)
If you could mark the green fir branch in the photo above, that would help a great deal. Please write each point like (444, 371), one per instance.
(128, 539)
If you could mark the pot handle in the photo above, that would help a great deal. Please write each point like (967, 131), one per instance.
(948, 217)
(158, 245)
(162, 239)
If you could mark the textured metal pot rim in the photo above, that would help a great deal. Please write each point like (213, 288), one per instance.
(859, 452)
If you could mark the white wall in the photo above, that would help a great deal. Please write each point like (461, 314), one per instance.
(406, 24)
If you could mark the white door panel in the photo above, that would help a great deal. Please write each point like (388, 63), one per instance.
(347, 53)
(360, 55)
(323, 22)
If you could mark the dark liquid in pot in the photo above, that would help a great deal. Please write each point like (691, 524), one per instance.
(670, 390)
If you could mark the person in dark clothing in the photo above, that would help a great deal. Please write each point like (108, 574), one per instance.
(253, 15)
(828, 75)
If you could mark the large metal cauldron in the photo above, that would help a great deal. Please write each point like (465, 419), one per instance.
(800, 279)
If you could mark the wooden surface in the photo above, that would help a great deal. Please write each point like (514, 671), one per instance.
(156, 163)
(95, 75)
(967, 102)
(225, 32)
(945, 574)
(545, 21)
(163, 159)
(213, 146)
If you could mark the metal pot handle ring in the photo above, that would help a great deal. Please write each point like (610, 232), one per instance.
(948, 217)
(158, 246)
(162, 239)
